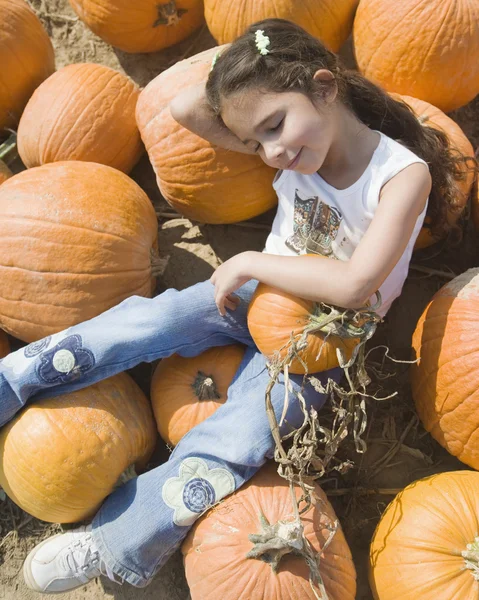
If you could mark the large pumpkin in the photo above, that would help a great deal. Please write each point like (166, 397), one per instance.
(61, 457)
(26, 58)
(427, 50)
(329, 20)
(143, 25)
(203, 182)
(76, 238)
(82, 112)
(274, 316)
(4, 345)
(426, 544)
(445, 385)
(433, 117)
(215, 551)
(186, 391)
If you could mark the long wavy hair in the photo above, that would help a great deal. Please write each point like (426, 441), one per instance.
(293, 58)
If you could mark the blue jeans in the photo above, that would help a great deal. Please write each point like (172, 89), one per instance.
(144, 521)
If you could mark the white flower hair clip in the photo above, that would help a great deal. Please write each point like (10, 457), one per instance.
(215, 58)
(262, 42)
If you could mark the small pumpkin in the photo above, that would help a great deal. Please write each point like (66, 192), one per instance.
(141, 26)
(203, 182)
(4, 344)
(444, 383)
(433, 117)
(427, 50)
(186, 391)
(61, 457)
(76, 238)
(26, 58)
(218, 545)
(274, 316)
(328, 20)
(426, 544)
(82, 112)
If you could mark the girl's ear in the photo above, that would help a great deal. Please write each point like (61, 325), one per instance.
(327, 84)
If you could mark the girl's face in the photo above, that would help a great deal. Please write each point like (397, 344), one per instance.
(286, 129)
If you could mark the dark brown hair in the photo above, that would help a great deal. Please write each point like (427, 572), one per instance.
(293, 58)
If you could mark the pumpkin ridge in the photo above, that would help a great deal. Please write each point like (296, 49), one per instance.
(87, 107)
(124, 296)
(439, 29)
(45, 149)
(71, 226)
(85, 247)
(399, 23)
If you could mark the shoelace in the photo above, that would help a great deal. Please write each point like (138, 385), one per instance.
(81, 558)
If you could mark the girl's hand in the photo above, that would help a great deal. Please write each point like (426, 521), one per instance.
(228, 277)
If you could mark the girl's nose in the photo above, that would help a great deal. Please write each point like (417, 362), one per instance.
(273, 151)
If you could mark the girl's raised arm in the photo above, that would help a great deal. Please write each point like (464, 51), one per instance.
(192, 111)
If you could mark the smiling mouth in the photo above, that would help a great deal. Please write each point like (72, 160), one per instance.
(295, 160)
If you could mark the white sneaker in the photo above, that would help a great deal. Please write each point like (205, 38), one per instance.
(64, 562)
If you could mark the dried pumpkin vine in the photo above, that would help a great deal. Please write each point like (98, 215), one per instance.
(307, 453)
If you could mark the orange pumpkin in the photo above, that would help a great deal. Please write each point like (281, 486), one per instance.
(76, 238)
(444, 383)
(433, 117)
(141, 26)
(217, 546)
(61, 457)
(273, 316)
(186, 391)
(427, 50)
(82, 112)
(426, 544)
(201, 181)
(4, 345)
(328, 20)
(26, 58)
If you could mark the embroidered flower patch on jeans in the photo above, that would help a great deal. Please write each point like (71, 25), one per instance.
(66, 361)
(195, 490)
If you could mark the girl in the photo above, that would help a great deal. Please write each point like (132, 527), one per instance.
(353, 182)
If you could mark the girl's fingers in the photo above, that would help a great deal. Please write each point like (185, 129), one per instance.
(230, 303)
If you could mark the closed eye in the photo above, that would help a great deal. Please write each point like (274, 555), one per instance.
(276, 127)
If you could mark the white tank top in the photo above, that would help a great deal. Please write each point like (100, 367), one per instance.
(313, 217)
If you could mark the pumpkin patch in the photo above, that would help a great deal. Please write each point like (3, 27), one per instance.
(85, 215)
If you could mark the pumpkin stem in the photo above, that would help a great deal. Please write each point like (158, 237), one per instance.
(168, 14)
(8, 149)
(128, 473)
(205, 387)
(158, 264)
(471, 557)
(275, 541)
(345, 323)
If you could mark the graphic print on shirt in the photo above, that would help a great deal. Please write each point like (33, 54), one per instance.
(315, 226)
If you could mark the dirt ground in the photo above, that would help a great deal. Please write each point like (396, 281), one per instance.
(399, 451)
